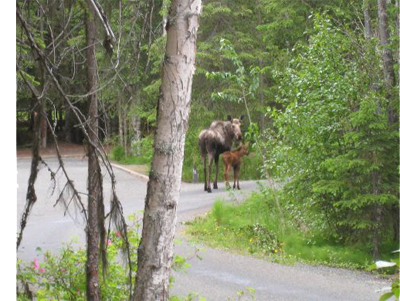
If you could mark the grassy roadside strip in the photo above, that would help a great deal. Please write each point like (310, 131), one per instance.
(256, 228)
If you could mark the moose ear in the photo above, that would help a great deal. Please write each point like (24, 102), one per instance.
(229, 118)
(241, 118)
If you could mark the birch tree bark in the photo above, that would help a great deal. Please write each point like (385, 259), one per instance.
(164, 17)
(397, 28)
(367, 20)
(95, 181)
(389, 80)
(387, 56)
(135, 125)
(155, 251)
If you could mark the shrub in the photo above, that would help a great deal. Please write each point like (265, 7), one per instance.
(117, 153)
(63, 276)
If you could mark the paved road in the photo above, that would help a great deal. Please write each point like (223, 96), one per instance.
(219, 275)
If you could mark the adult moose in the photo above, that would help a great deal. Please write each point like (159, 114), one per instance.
(215, 140)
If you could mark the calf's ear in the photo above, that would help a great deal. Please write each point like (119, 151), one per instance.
(229, 118)
(241, 118)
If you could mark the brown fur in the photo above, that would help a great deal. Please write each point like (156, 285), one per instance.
(215, 140)
(234, 159)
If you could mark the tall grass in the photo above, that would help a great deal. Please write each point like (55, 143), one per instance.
(256, 227)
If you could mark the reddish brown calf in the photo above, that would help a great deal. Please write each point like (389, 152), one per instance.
(234, 159)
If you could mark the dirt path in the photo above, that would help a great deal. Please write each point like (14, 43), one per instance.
(71, 150)
(66, 149)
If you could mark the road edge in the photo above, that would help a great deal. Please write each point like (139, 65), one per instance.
(131, 172)
(78, 156)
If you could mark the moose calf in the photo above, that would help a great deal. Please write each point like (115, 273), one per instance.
(234, 159)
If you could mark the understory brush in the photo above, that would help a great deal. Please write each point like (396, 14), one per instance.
(144, 156)
(62, 276)
(268, 225)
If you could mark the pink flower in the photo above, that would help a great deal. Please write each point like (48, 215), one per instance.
(108, 242)
(36, 264)
(42, 270)
(118, 234)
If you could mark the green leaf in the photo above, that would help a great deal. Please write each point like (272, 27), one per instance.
(386, 296)
(396, 293)
(251, 290)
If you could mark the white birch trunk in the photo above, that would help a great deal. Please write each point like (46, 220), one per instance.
(136, 134)
(387, 57)
(367, 20)
(155, 252)
(397, 28)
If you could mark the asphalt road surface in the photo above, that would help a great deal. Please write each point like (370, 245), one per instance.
(219, 275)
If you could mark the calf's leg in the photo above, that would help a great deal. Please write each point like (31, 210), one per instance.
(227, 169)
(235, 172)
(237, 177)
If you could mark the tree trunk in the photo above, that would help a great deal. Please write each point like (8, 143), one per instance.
(95, 189)
(68, 124)
(120, 122)
(261, 98)
(397, 27)
(164, 17)
(367, 20)
(387, 56)
(389, 79)
(376, 240)
(135, 126)
(377, 233)
(126, 134)
(156, 246)
(43, 119)
(43, 125)
(31, 197)
(136, 134)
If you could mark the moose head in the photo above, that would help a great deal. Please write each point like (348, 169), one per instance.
(236, 132)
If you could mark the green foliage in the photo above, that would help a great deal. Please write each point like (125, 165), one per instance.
(63, 276)
(117, 153)
(192, 296)
(333, 139)
(256, 227)
(146, 153)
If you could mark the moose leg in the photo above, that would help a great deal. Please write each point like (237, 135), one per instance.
(235, 173)
(237, 177)
(216, 171)
(205, 172)
(227, 169)
(210, 162)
